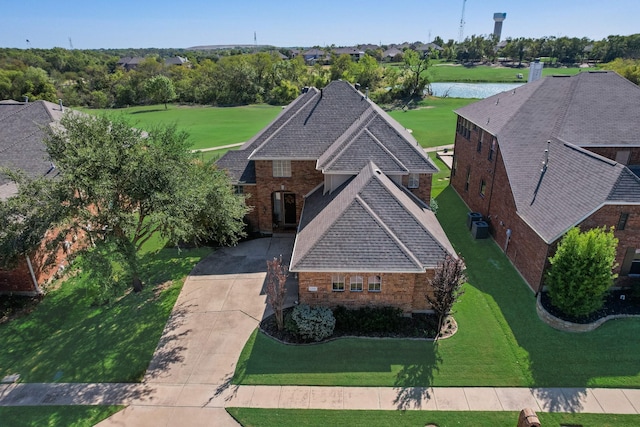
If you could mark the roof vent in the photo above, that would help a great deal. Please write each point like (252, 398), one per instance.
(378, 171)
(26, 99)
(497, 101)
(357, 86)
(545, 163)
(305, 89)
(60, 104)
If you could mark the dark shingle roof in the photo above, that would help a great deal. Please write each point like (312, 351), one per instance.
(341, 129)
(22, 131)
(563, 111)
(239, 168)
(368, 224)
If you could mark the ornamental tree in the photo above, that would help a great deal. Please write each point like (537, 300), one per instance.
(447, 288)
(581, 270)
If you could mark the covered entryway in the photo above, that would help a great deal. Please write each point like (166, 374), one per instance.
(284, 210)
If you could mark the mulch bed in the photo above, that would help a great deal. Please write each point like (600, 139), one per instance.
(613, 305)
(418, 326)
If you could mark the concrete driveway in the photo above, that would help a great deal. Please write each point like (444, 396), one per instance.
(220, 305)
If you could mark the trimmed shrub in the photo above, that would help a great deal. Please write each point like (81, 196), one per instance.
(581, 271)
(313, 323)
(368, 320)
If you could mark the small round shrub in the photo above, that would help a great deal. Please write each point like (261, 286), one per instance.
(313, 323)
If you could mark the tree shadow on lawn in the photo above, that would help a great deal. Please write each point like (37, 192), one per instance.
(547, 357)
(66, 339)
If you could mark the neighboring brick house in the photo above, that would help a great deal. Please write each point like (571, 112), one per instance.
(22, 129)
(550, 155)
(328, 151)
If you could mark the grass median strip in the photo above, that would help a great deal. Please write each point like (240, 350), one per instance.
(296, 417)
(38, 416)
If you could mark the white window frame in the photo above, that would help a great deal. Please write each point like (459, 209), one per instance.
(356, 284)
(414, 180)
(281, 168)
(337, 283)
(375, 282)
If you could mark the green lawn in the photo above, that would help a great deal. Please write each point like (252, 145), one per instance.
(433, 123)
(321, 418)
(490, 74)
(208, 126)
(500, 342)
(66, 339)
(43, 416)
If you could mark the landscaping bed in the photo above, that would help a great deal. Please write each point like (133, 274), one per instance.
(613, 305)
(366, 323)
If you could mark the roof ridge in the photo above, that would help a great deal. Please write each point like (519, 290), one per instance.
(17, 141)
(390, 186)
(389, 231)
(562, 117)
(24, 107)
(393, 156)
(331, 153)
(281, 125)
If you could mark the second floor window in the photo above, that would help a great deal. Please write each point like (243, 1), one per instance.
(414, 180)
(282, 168)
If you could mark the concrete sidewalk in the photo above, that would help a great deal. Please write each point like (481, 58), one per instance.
(211, 396)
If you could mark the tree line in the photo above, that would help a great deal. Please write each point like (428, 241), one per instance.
(93, 78)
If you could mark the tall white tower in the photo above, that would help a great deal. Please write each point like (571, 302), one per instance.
(497, 27)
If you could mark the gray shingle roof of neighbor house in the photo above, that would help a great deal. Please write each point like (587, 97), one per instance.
(326, 124)
(22, 131)
(368, 224)
(586, 110)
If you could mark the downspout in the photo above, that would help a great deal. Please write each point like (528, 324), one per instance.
(543, 270)
(33, 276)
(493, 176)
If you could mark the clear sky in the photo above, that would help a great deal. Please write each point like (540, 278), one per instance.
(95, 24)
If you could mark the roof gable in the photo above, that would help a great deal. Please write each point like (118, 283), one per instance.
(372, 225)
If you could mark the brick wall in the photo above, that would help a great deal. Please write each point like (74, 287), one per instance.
(611, 152)
(251, 217)
(526, 250)
(402, 290)
(423, 192)
(304, 178)
(45, 262)
(629, 238)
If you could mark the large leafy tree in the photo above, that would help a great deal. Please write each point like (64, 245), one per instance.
(160, 89)
(122, 186)
(581, 270)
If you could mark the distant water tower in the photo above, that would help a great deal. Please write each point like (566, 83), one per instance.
(497, 27)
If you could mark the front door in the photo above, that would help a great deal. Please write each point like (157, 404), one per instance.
(284, 210)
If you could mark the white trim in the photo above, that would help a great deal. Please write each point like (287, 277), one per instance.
(33, 276)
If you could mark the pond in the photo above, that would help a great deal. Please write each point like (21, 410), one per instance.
(470, 90)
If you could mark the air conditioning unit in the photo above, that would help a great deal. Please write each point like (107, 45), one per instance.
(480, 230)
(473, 217)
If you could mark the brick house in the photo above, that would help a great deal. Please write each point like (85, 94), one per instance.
(550, 155)
(22, 130)
(355, 186)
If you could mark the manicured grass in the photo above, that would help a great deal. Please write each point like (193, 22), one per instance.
(68, 416)
(440, 180)
(490, 74)
(66, 339)
(433, 123)
(207, 126)
(500, 342)
(321, 418)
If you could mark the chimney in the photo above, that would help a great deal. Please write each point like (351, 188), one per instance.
(60, 104)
